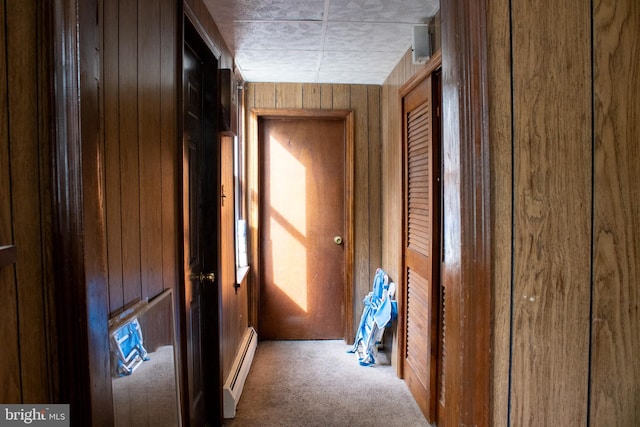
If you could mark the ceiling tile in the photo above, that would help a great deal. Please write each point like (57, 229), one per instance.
(277, 36)
(354, 36)
(358, 41)
(357, 61)
(269, 59)
(399, 11)
(280, 10)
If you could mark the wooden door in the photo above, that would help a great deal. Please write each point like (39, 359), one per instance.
(200, 256)
(421, 246)
(302, 228)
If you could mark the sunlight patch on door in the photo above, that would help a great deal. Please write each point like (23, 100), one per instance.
(288, 222)
(293, 279)
(288, 186)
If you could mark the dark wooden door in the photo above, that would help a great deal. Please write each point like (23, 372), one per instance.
(421, 246)
(302, 226)
(199, 180)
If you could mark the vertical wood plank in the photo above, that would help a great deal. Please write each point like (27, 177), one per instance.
(326, 96)
(375, 179)
(502, 202)
(615, 378)
(265, 95)
(10, 392)
(253, 204)
(341, 97)
(46, 139)
(311, 96)
(22, 69)
(362, 279)
(149, 84)
(6, 232)
(552, 150)
(391, 158)
(112, 156)
(129, 166)
(288, 95)
(391, 185)
(169, 141)
(250, 100)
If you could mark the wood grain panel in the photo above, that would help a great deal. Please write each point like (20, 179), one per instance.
(129, 150)
(46, 138)
(341, 97)
(10, 392)
(326, 96)
(375, 179)
(149, 84)
(361, 276)
(22, 66)
(6, 232)
(265, 95)
(250, 99)
(552, 151)
(112, 156)
(501, 203)
(230, 339)
(466, 260)
(615, 375)
(311, 96)
(168, 141)
(391, 185)
(288, 95)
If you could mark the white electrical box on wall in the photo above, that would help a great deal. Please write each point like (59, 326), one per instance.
(421, 45)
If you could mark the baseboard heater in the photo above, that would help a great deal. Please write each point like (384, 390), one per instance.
(239, 371)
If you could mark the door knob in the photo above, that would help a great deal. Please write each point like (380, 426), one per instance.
(210, 277)
(337, 240)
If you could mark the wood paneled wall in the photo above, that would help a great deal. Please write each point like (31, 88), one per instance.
(141, 90)
(391, 164)
(140, 57)
(364, 101)
(140, 139)
(27, 329)
(565, 177)
(392, 191)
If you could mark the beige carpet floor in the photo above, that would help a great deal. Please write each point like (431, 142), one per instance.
(316, 383)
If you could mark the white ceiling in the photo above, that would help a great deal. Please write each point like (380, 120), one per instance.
(319, 41)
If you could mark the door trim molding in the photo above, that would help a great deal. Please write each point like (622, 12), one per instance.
(253, 188)
(466, 268)
(434, 324)
(79, 243)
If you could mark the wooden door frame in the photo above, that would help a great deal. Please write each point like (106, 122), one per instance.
(430, 67)
(79, 248)
(434, 63)
(466, 266)
(191, 30)
(253, 188)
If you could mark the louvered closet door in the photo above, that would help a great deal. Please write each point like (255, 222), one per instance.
(421, 242)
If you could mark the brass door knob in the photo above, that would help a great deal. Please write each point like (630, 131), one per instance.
(337, 240)
(210, 277)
